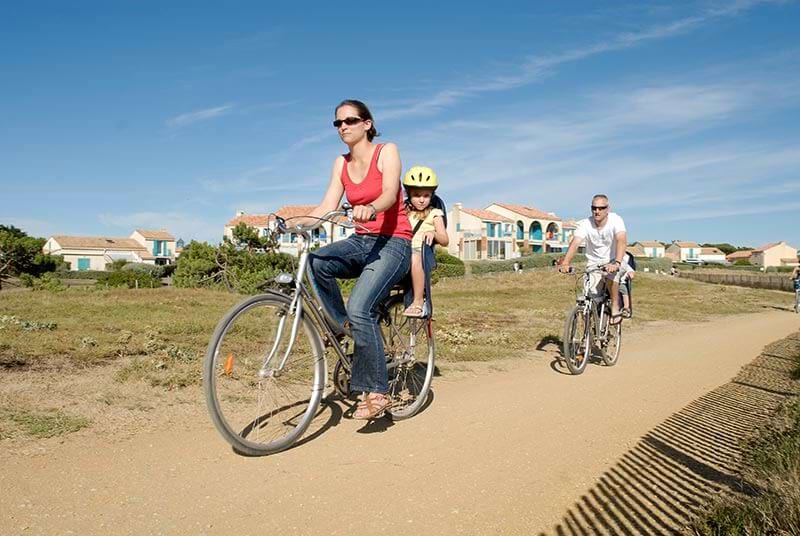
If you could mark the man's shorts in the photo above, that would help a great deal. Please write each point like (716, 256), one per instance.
(597, 280)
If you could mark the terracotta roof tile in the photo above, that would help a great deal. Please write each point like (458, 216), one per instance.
(529, 212)
(263, 220)
(156, 235)
(98, 242)
(636, 250)
(651, 244)
(744, 254)
(485, 214)
(765, 247)
(711, 251)
(687, 244)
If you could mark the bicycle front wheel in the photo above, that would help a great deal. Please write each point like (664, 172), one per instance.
(261, 389)
(409, 347)
(577, 340)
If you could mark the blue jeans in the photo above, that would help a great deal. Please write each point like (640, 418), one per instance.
(378, 262)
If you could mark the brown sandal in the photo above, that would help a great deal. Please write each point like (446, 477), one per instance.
(372, 407)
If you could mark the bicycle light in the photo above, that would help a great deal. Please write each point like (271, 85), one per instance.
(284, 278)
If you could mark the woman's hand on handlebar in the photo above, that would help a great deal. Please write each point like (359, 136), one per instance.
(364, 213)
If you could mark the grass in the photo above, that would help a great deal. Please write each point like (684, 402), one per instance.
(505, 315)
(93, 327)
(39, 424)
(477, 319)
(155, 338)
(772, 469)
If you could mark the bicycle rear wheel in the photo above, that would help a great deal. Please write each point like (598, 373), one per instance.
(611, 344)
(262, 409)
(577, 340)
(410, 351)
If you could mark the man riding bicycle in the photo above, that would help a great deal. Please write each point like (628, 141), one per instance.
(606, 239)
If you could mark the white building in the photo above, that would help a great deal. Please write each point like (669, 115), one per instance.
(326, 234)
(95, 252)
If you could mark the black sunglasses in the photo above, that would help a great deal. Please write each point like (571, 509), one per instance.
(347, 121)
(599, 208)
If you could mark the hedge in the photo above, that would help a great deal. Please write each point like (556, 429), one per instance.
(653, 263)
(537, 260)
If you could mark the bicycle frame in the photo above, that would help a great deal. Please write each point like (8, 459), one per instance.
(594, 310)
(303, 300)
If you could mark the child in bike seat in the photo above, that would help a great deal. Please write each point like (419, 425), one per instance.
(428, 226)
(628, 267)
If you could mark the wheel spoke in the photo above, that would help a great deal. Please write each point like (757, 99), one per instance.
(259, 414)
(411, 375)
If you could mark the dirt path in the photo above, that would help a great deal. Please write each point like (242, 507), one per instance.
(502, 452)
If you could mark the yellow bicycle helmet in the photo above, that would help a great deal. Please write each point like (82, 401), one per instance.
(420, 177)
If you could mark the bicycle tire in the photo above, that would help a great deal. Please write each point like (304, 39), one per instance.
(612, 344)
(259, 414)
(410, 360)
(575, 348)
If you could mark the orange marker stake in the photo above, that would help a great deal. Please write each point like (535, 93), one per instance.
(228, 365)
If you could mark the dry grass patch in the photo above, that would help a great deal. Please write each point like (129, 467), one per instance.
(15, 421)
(112, 358)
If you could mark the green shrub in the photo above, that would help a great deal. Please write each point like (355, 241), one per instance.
(780, 269)
(143, 268)
(447, 266)
(48, 281)
(531, 261)
(742, 262)
(129, 279)
(80, 274)
(226, 266)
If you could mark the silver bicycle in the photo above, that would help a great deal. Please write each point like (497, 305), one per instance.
(266, 371)
(588, 327)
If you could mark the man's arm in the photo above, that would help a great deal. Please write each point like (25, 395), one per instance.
(574, 244)
(621, 246)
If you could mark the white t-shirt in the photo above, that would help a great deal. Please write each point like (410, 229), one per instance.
(601, 244)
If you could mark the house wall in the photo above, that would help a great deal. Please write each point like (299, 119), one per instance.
(654, 252)
(681, 254)
(774, 255)
(470, 237)
(558, 240)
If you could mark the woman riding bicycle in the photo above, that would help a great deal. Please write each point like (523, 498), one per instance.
(378, 254)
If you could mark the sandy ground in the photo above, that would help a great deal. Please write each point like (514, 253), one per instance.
(506, 449)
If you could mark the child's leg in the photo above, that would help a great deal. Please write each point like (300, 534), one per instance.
(417, 279)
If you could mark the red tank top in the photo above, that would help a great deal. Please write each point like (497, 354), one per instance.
(391, 222)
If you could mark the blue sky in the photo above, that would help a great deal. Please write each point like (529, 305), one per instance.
(144, 114)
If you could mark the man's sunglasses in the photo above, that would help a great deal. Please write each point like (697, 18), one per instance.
(599, 208)
(347, 121)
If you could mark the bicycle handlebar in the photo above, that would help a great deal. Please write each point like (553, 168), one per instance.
(346, 210)
(598, 268)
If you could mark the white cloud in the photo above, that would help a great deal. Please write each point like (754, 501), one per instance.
(197, 116)
(536, 68)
